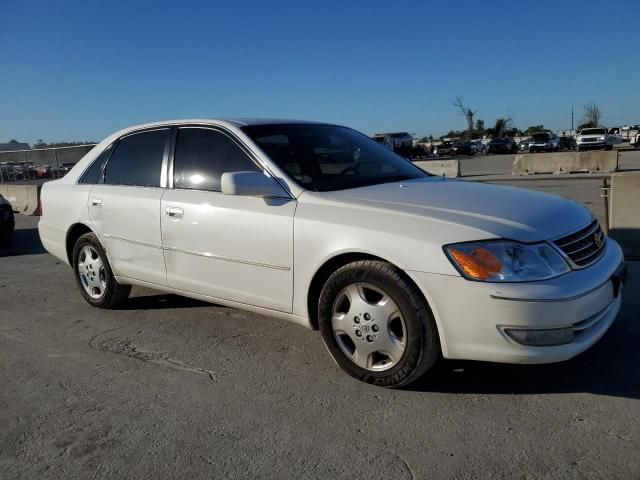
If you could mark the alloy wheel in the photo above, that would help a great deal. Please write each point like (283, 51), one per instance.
(368, 327)
(91, 271)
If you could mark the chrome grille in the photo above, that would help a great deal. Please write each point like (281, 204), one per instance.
(585, 246)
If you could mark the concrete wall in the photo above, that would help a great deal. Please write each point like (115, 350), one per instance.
(624, 212)
(565, 162)
(24, 199)
(447, 168)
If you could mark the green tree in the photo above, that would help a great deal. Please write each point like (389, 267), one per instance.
(533, 129)
(501, 128)
(453, 134)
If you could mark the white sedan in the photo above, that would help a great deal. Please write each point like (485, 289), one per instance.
(319, 224)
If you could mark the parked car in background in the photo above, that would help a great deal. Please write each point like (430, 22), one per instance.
(594, 139)
(567, 143)
(7, 221)
(500, 145)
(384, 140)
(43, 171)
(62, 169)
(635, 140)
(523, 146)
(615, 135)
(462, 147)
(15, 171)
(544, 142)
(399, 142)
(478, 147)
(445, 149)
(396, 268)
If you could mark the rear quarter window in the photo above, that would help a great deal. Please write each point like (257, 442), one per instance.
(92, 175)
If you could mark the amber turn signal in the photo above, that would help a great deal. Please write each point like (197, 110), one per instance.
(480, 264)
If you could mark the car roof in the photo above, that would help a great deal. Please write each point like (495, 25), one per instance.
(235, 122)
(230, 123)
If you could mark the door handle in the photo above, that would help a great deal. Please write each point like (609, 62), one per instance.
(174, 211)
(96, 202)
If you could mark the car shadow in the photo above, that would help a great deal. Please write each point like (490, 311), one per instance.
(164, 301)
(25, 241)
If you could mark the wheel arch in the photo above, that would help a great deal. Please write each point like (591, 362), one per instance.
(74, 232)
(330, 265)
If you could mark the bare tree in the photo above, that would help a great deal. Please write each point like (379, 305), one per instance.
(592, 114)
(466, 111)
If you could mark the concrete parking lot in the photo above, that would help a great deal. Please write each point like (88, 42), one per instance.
(175, 388)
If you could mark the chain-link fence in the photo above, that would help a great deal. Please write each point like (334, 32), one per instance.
(39, 163)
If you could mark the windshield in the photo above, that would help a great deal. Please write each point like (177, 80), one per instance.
(326, 157)
(593, 131)
(499, 140)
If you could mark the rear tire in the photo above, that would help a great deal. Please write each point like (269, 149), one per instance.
(7, 225)
(93, 274)
(377, 325)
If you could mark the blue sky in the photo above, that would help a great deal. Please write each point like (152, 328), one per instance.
(80, 70)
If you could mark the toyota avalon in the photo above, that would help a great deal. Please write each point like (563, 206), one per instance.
(318, 224)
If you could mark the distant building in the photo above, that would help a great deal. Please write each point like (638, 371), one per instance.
(13, 146)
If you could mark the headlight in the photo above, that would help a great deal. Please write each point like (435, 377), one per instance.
(600, 138)
(506, 261)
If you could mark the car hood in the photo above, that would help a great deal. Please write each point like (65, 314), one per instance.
(505, 212)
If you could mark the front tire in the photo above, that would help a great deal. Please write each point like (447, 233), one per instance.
(377, 325)
(93, 274)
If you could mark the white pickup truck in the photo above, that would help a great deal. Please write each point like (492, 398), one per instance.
(595, 138)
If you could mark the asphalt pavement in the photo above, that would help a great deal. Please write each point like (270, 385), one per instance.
(169, 387)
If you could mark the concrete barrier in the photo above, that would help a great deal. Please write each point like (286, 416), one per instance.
(624, 212)
(446, 168)
(565, 162)
(24, 199)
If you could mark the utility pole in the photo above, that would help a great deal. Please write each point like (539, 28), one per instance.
(572, 119)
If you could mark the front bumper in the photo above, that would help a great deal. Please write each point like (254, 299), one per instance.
(540, 148)
(472, 316)
(592, 145)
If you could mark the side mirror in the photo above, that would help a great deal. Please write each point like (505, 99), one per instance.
(251, 184)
